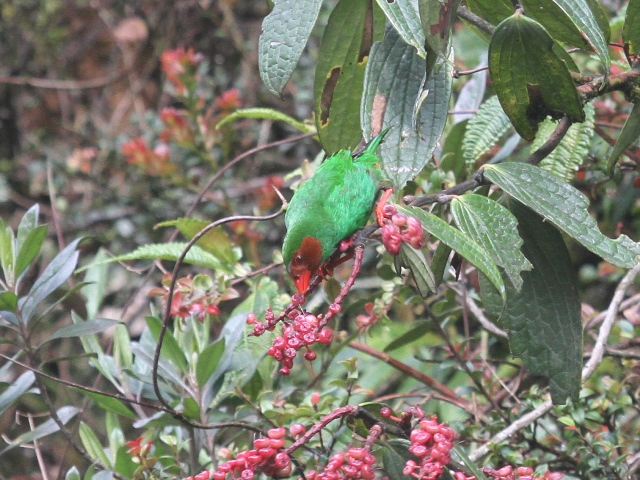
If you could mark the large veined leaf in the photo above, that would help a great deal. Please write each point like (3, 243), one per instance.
(353, 27)
(531, 81)
(631, 29)
(285, 32)
(393, 84)
(437, 17)
(565, 159)
(494, 228)
(562, 205)
(484, 131)
(493, 11)
(543, 319)
(404, 15)
(459, 241)
(629, 134)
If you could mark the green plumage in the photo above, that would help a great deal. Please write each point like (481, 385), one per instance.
(335, 202)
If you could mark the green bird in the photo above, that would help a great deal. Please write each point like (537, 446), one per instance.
(335, 202)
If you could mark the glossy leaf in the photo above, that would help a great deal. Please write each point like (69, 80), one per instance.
(14, 391)
(29, 248)
(208, 360)
(631, 29)
(466, 246)
(264, 114)
(484, 131)
(495, 229)
(170, 348)
(353, 27)
(543, 320)
(404, 15)
(531, 81)
(630, 133)
(109, 404)
(393, 84)
(574, 147)
(564, 206)
(285, 32)
(53, 276)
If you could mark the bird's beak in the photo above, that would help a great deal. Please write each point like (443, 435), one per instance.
(302, 281)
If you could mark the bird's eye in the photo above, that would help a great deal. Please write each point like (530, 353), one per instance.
(298, 259)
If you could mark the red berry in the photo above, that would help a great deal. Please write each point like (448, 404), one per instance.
(310, 355)
(277, 433)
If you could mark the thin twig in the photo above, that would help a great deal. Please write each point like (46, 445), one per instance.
(478, 313)
(552, 142)
(53, 84)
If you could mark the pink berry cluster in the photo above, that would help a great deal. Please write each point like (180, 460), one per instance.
(266, 456)
(399, 228)
(357, 463)
(300, 329)
(204, 475)
(509, 473)
(431, 442)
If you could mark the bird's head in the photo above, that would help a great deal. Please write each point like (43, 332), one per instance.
(305, 261)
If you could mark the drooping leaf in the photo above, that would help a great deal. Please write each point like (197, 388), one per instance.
(285, 32)
(353, 27)
(630, 133)
(215, 241)
(264, 114)
(14, 391)
(631, 29)
(404, 15)
(393, 84)
(208, 361)
(110, 404)
(484, 131)
(416, 263)
(543, 320)
(564, 206)
(437, 17)
(170, 348)
(466, 246)
(53, 276)
(495, 229)
(531, 81)
(90, 327)
(565, 159)
(29, 248)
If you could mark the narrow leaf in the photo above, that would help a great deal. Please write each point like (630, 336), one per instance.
(495, 229)
(89, 327)
(208, 361)
(404, 15)
(629, 134)
(170, 348)
(631, 29)
(92, 445)
(28, 222)
(393, 83)
(109, 403)
(284, 34)
(460, 242)
(14, 391)
(29, 248)
(564, 206)
(484, 131)
(416, 332)
(353, 27)
(265, 114)
(7, 253)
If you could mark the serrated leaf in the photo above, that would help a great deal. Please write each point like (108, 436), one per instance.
(484, 131)
(14, 391)
(543, 320)
(170, 348)
(48, 427)
(495, 229)
(284, 35)
(404, 15)
(565, 159)
(353, 27)
(92, 445)
(531, 82)
(29, 248)
(208, 361)
(54, 275)
(109, 403)
(460, 242)
(630, 133)
(437, 17)
(215, 241)
(415, 261)
(89, 327)
(631, 29)
(564, 206)
(393, 83)
(264, 114)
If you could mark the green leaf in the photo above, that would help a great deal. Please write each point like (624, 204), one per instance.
(28, 222)
(543, 320)
(417, 331)
(631, 29)
(437, 17)
(404, 15)
(48, 427)
(89, 327)
(265, 114)
(284, 34)
(14, 391)
(170, 348)
(473, 469)
(73, 474)
(8, 301)
(495, 229)
(393, 85)
(395, 454)
(414, 260)
(484, 131)
(92, 445)
(439, 261)
(54, 275)
(96, 279)
(215, 241)
(353, 27)
(629, 134)
(565, 159)
(29, 248)
(564, 206)
(7, 253)
(208, 361)
(460, 242)
(493, 11)
(109, 403)
(122, 355)
(531, 81)
(556, 21)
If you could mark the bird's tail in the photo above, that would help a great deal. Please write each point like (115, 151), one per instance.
(371, 147)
